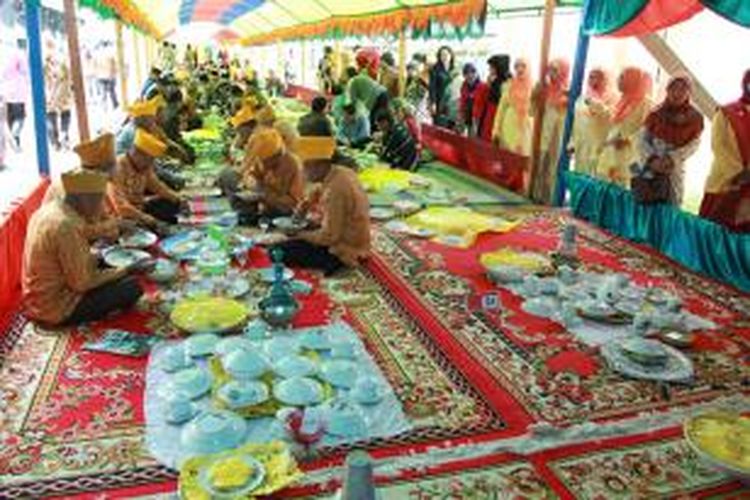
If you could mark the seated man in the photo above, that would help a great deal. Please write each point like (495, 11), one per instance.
(134, 176)
(98, 156)
(276, 175)
(355, 127)
(316, 123)
(61, 282)
(344, 236)
(244, 122)
(398, 148)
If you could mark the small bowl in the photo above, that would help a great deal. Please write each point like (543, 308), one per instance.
(179, 411)
(294, 366)
(240, 394)
(175, 358)
(212, 432)
(201, 345)
(243, 364)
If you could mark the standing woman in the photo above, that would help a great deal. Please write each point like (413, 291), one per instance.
(727, 197)
(416, 91)
(554, 94)
(488, 96)
(512, 126)
(441, 78)
(592, 121)
(671, 135)
(621, 146)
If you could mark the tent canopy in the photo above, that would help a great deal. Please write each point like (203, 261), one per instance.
(639, 17)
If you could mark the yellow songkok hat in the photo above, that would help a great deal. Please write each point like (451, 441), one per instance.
(149, 144)
(244, 115)
(315, 148)
(97, 153)
(84, 182)
(265, 143)
(146, 108)
(266, 115)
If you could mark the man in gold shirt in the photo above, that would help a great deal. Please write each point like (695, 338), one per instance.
(135, 176)
(275, 175)
(344, 236)
(62, 284)
(97, 155)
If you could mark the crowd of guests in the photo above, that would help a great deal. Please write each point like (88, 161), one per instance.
(132, 179)
(620, 134)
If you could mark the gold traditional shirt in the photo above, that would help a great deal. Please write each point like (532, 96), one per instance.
(128, 190)
(58, 267)
(283, 186)
(345, 227)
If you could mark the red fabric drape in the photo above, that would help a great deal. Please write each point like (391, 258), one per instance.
(12, 238)
(476, 156)
(657, 15)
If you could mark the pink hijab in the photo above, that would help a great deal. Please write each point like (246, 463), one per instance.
(635, 85)
(557, 88)
(520, 91)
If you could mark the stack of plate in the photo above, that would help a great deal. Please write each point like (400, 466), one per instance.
(648, 359)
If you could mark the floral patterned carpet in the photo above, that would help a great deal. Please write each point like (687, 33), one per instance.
(71, 421)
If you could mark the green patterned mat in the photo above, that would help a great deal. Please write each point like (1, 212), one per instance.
(460, 184)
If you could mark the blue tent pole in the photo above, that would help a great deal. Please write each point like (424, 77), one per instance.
(36, 70)
(579, 69)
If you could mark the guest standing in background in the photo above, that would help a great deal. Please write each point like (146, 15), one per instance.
(671, 135)
(389, 74)
(469, 89)
(553, 95)
(442, 75)
(512, 127)
(727, 197)
(620, 149)
(15, 88)
(416, 91)
(488, 96)
(592, 121)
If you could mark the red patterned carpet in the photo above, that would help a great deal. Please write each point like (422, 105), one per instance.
(72, 421)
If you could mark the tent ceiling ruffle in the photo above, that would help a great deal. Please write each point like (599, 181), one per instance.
(264, 21)
(622, 18)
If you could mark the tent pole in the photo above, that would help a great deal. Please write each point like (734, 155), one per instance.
(280, 61)
(536, 141)
(402, 61)
(137, 55)
(76, 73)
(576, 86)
(303, 79)
(121, 62)
(36, 70)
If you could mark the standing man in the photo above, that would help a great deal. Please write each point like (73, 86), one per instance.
(62, 284)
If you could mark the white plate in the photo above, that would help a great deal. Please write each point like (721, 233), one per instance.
(191, 383)
(240, 394)
(340, 373)
(280, 347)
(299, 391)
(294, 366)
(212, 432)
(244, 364)
(315, 340)
(123, 257)
(175, 358)
(345, 420)
(379, 213)
(201, 345)
(179, 411)
(677, 368)
(138, 239)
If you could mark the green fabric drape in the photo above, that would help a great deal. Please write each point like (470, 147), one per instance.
(737, 11)
(606, 16)
(694, 242)
(437, 30)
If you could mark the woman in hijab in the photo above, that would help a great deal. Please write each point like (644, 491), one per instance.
(592, 121)
(554, 94)
(442, 75)
(727, 197)
(512, 124)
(470, 87)
(620, 149)
(488, 96)
(671, 135)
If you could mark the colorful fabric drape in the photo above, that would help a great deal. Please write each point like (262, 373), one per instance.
(637, 17)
